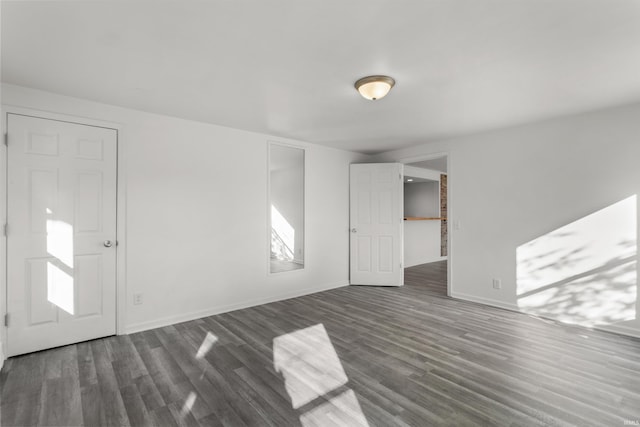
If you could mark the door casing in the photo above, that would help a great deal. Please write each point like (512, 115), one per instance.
(120, 212)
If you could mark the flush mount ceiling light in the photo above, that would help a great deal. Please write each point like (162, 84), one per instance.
(374, 87)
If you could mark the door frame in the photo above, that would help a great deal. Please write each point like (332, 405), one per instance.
(120, 211)
(436, 155)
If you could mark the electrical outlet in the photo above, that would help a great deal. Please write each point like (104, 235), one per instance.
(497, 284)
(137, 299)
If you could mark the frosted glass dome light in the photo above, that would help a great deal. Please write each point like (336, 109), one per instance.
(374, 87)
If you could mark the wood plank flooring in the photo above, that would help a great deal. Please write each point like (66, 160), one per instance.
(350, 356)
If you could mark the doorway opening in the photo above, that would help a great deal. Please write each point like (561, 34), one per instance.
(425, 231)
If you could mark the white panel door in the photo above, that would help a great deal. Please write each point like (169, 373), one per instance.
(376, 215)
(61, 252)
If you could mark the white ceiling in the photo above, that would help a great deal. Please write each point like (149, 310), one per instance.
(287, 67)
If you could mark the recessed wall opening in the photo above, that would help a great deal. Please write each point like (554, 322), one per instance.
(286, 208)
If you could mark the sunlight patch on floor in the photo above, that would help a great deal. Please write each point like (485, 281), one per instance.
(312, 374)
(188, 404)
(207, 343)
(341, 410)
(309, 364)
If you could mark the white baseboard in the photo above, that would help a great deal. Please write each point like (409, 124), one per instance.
(485, 301)
(617, 329)
(185, 317)
(620, 329)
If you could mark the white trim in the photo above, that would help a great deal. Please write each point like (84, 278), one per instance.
(414, 172)
(485, 301)
(615, 329)
(121, 235)
(120, 213)
(268, 207)
(421, 158)
(276, 273)
(185, 317)
(449, 229)
(2, 358)
(3, 241)
(32, 112)
(619, 329)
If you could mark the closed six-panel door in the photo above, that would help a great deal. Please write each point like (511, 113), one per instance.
(376, 199)
(61, 252)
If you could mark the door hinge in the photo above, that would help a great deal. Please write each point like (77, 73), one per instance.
(6, 139)
(6, 319)
(4, 230)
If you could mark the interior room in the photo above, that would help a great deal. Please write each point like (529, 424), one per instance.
(319, 213)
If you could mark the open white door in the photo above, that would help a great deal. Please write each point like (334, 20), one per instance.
(61, 249)
(376, 215)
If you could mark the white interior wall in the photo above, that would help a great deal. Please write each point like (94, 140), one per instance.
(421, 242)
(421, 238)
(422, 199)
(512, 186)
(196, 213)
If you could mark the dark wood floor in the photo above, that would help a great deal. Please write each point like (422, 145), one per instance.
(351, 356)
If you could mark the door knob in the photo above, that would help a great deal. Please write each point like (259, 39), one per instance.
(353, 230)
(107, 243)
